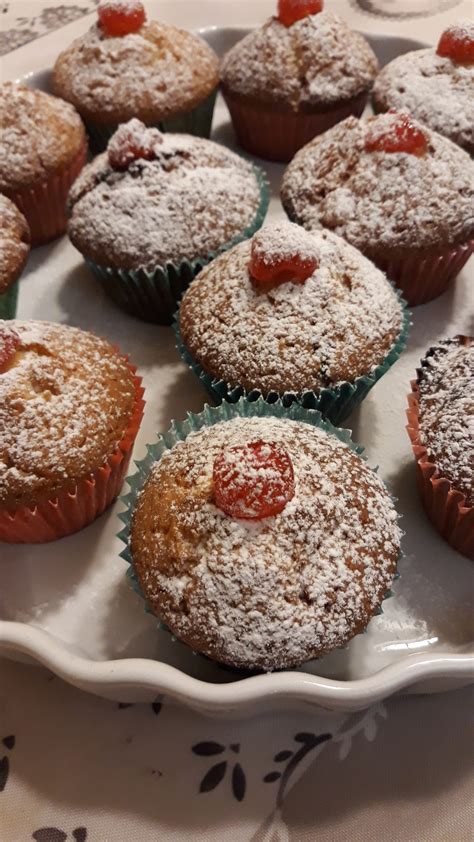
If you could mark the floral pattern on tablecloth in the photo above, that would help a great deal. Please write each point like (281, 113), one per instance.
(25, 28)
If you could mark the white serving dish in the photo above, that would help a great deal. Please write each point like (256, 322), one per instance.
(68, 605)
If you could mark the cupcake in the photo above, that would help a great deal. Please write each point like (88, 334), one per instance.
(435, 85)
(260, 537)
(295, 314)
(151, 211)
(440, 426)
(70, 408)
(14, 249)
(125, 67)
(42, 149)
(293, 78)
(396, 190)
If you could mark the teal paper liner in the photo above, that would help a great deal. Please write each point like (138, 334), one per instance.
(334, 404)
(197, 122)
(153, 295)
(8, 302)
(209, 416)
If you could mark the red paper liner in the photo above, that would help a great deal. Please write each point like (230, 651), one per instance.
(78, 503)
(277, 135)
(445, 506)
(44, 203)
(426, 273)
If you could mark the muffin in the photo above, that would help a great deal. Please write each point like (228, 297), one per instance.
(126, 67)
(70, 408)
(440, 426)
(261, 541)
(435, 85)
(14, 249)
(399, 192)
(43, 147)
(293, 314)
(293, 78)
(151, 211)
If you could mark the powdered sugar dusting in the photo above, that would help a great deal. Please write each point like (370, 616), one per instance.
(377, 200)
(282, 241)
(446, 411)
(121, 5)
(195, 197)
(338, 325)
(434, 90)
(14, 242)
(277, 592)
(316, 60)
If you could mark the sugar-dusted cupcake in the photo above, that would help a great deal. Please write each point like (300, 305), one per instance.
(295, 77)
(259, 535)
(14, 249)
(441, 429)
(399, 192)
(70, 408)
(126, 66)
(43, 147)
(155, 208)
(435, 85)
(292, 314)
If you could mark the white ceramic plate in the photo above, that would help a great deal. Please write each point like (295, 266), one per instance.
(68, 605)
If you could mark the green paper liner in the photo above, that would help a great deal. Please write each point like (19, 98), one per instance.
(153, 295)
(334, 404)
(197, 122)
(8, 302)
(179, 431)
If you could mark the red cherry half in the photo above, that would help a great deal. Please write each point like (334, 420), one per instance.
(397, 133)
(9, 343)
(267, 266)
(289, 11)
(131, 141)
(253, 481)
(457, 43)
(121, 17)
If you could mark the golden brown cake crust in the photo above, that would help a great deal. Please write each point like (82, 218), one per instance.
(153, 74)
(14, 243)
(40, 135)
(272, 593)
(66, 400)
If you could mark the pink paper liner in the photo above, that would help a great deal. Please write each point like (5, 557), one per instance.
(277, 135)
(426, 275)
(78, 503)
(445, 507)
(44, 204)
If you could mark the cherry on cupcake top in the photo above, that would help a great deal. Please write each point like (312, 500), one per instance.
(121, 17)
(280, 253)
(132, 141)
(395, 132)
(9, 344)
(253, 481)
(457, 42)
(290, 11)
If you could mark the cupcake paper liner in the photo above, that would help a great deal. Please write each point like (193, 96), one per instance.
(445, 507)
(44, 204)
(8, 301)
(153, 295)
(79, 502)
(277, 135)
(428, 274)
(334, 404)
(179, 431)
(197, 122)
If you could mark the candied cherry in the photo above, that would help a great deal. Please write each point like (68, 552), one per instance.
(131, 141)
(253, 481)
(395, 133)
(457, 43)
(289, 11)
(287, 259)
(9, 344)
(121, 17)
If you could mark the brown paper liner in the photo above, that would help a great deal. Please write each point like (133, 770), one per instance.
(78, 503)
(445, 507)
(426, 274)
(276, 134)
(44, 203)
